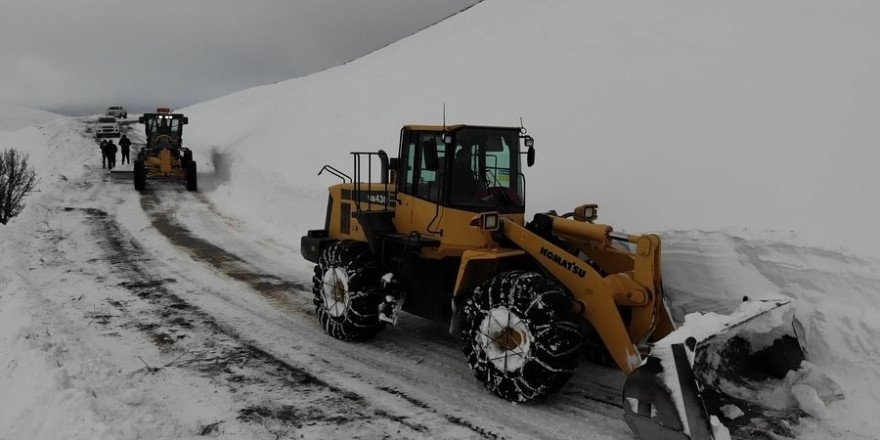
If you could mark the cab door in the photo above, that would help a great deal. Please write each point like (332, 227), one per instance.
(422, 184)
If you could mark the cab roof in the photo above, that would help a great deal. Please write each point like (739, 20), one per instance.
(452, 128)
(173, 115)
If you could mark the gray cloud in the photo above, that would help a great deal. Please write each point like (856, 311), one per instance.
(77, 57)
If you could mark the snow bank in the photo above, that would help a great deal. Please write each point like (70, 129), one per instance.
(836, 298)
(42, 400)
(14, 117)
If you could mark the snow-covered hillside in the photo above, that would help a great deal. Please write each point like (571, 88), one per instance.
(13, 117)
(670, 115)
(741, 132)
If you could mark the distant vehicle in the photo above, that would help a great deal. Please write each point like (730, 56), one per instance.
(117, 111)
(106, 127)
(163, 156)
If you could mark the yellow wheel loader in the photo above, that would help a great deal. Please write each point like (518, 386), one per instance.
(440, 232)
(164, 157)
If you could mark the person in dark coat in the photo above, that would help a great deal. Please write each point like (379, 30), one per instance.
(465, 183)
(125, 148)
(103, 154)
(111, 154)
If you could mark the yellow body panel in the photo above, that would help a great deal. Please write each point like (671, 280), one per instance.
(450, 226)
(411, 214)
(165, 164)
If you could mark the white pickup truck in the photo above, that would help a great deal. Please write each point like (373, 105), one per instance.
(117, 111)
(106, 127)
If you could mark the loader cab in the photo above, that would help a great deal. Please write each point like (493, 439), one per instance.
(470, 168)
(163, 126)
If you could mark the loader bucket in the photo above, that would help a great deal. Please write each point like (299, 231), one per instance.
(716, 377)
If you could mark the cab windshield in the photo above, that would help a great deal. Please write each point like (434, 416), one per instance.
(162, 124)
(486, 170)
(472, 168)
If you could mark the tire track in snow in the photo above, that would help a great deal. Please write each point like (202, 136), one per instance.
(217, 351)
(273, 288)
(594, 390)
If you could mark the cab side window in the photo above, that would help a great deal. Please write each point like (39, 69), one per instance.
(408, 173)
(498, 166)
(422, 165)
(431, 175)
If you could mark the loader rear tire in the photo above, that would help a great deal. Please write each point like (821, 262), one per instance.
(192, 183)
(140, 175)
(521, 336)
(347, 292)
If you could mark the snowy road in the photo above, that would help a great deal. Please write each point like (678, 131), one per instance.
(415, 368)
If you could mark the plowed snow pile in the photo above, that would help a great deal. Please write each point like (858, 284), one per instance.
(837, 298)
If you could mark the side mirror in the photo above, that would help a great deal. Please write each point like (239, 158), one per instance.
(185, 120)
(529, 142)
(141, 120)
(429, 155)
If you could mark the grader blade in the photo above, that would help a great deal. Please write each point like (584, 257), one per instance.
(716, 377)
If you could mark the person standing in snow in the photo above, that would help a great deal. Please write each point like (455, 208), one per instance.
(111, 154)
(103, 146)
(124, 146)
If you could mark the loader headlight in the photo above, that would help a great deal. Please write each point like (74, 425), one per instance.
(586, 213)
(490, 222)
(487, 221)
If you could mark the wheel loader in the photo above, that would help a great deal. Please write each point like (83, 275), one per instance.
(163, 157)
(440, 232)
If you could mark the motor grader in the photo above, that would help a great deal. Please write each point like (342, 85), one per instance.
(440, 232)
(163, 157)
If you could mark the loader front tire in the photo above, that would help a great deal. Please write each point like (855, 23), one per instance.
(521, 336)
(346, 290)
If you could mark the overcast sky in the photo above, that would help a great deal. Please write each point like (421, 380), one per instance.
(78, 57)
